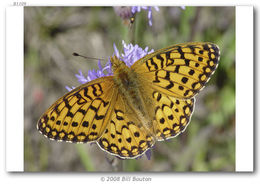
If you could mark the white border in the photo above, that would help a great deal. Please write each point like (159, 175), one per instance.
(14, 90)
(244, 89)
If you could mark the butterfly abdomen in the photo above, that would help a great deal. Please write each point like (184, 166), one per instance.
(126, 81)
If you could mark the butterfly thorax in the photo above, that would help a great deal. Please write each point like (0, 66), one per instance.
(124, 77)
(127, 82)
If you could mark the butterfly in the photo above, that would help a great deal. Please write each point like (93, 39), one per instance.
(125, 114)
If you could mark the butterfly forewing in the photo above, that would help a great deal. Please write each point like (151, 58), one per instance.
(179, 70)
(82, 114)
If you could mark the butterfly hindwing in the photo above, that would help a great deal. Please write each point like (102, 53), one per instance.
(125, 136)
(172, 115)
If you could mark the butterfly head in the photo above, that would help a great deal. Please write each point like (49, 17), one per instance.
(117, 64)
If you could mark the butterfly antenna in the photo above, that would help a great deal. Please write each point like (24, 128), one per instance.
(76, 54)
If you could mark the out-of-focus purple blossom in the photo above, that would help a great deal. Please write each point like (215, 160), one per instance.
(183, 7)
(136, 9)
(125, 12)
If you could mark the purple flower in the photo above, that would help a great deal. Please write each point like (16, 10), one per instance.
(69, 88)
(130, 55)
(148, 8)
(148, 154)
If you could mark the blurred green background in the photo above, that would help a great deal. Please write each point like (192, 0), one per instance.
(52, 34)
